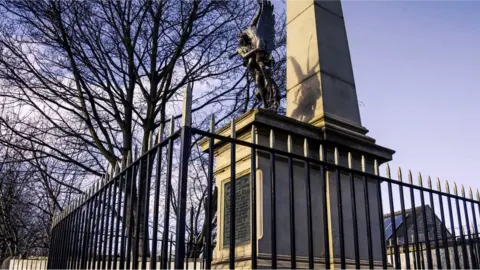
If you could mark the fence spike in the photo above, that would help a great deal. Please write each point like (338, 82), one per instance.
(462, 191)
(410, 178)
(118, 169)
(321, 153)
(439, 186)
(135, 158)
(375, 167)
(364, 165)
(349, 157)
(447, 187)
(420, 180)
(234, 131)
(272, 138)
(429, 182)
(150, 140)
(158, 138)
(306, 149)
(470, 193)
(387, 171)
(171, 126)
(129, 158)
(455, 188)
(478, 196)
(212, 123)
(289, 144)
(399, 174)
(254, 135)
(336, 157)
(187, 106)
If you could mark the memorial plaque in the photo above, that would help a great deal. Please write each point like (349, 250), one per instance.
(242, 212)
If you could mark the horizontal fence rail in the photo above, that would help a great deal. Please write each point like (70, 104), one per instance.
(301, 203)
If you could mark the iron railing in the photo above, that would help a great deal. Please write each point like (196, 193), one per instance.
(127, 221)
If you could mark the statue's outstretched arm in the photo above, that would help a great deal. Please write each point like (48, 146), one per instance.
(257, 16)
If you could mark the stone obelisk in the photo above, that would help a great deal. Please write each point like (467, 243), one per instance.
(321, 91)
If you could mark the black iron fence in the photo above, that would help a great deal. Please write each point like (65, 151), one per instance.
(136, 217)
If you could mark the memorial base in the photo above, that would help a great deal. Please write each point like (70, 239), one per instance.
(327, 134)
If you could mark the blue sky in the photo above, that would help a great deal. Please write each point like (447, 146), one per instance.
(416, 71)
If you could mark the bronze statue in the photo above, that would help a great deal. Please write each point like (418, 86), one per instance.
(256, 44)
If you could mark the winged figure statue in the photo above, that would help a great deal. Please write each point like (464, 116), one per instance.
(256, 44)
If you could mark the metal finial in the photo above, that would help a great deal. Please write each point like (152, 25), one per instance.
(387, 171)
(187, 106)
(429, 182)
(349, 157)
(364, 165)
(439, 186)
(159, 136)
(289, 144)
(254, 135)
(470, 193)
(462, 191)
(233, 129)
(420, 181)
(336, 157)
(455, 191)
(150, 141)
(410, 178)
(478, 195)
(128, 160)
(447, 187)
(399, 174)
(305, 148)
(272, 138)
(375, 167)
(172, 126)
(212, 123)
(321, 153)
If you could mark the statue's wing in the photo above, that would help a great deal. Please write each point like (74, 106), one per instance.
(266, 26)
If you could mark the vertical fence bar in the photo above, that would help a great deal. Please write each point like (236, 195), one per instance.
(208, 214)
(424, 221)
(367, 214)
(326, 218)
(107, 231)
(435, 229)
(308, 196)
(87, 231)
(124, 180)
(253, 176)
(95, 222)
(103, 227)
(156, 199)
(415, 224)
(273, 204)
(450, 213)
(170, 255)
(183, 177)
(82, 245)
(113, 232)
(291, 197)
(380, 213)
(340, 211)
(475, 238)
(473, 262)
(444, 227)
(131, 182)
(138, 216)
(406, 247)
(168, 188)
(353, 199)
(146, 201)
(392, 221)
(232, 198)
(460, 224)
(78, 234)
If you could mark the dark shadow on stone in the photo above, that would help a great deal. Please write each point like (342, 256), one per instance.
(308, 93)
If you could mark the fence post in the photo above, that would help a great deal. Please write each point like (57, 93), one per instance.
(185, 141)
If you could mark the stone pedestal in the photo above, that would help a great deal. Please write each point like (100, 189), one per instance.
(265, 121)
